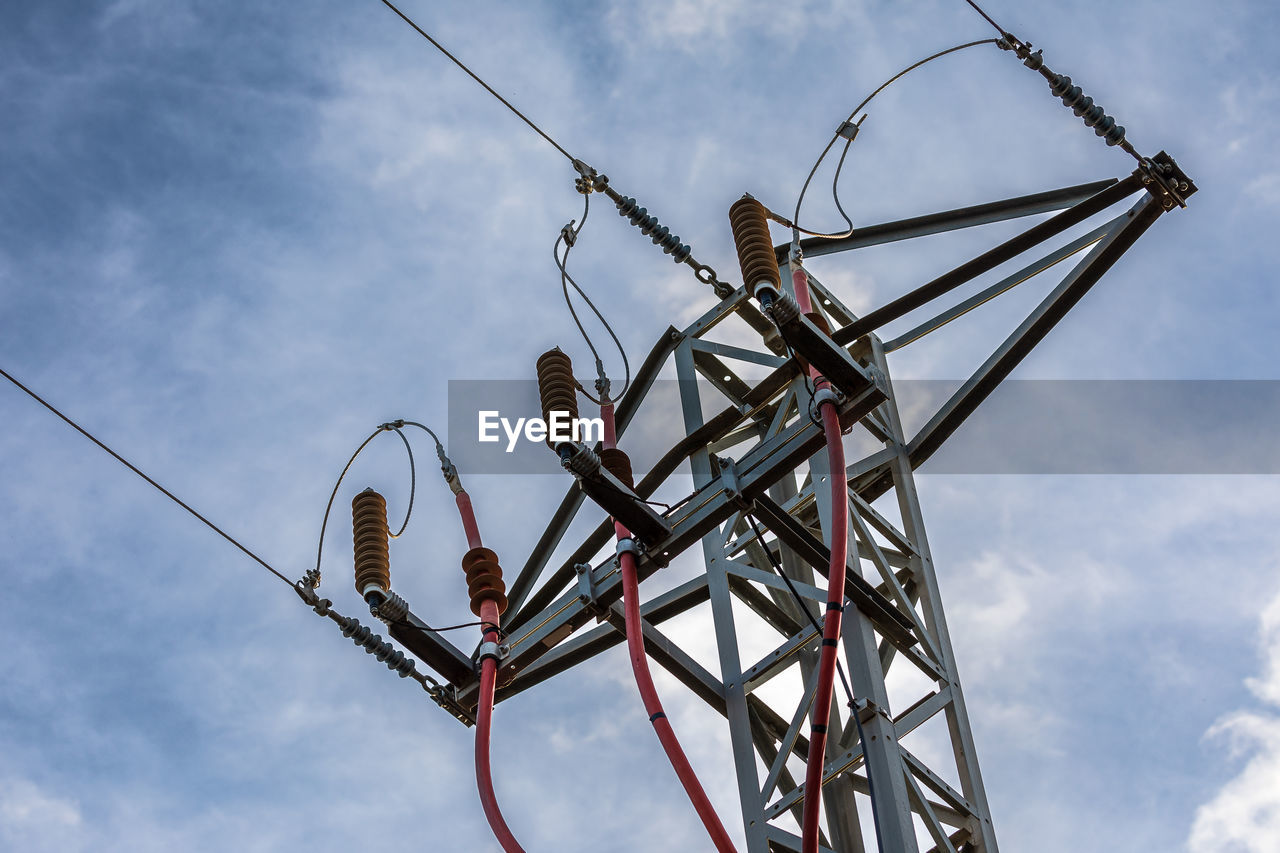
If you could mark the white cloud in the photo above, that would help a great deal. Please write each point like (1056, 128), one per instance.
(1244, 815)
(33, 819)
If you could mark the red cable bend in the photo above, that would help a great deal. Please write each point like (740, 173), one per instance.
(835, 594)
(489, 617)
(644, 679)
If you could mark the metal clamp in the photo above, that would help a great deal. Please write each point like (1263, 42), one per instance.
(490, 649)
(826, 395)
(628, 546)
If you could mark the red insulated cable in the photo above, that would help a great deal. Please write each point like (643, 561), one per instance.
(489, 617)
(484, 719)
(463, 500)
(644, 679)
(835, 598)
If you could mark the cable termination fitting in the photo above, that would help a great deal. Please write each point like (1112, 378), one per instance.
(484, 579)
(371, 536)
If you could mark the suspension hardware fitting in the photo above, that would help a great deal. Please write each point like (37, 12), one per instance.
(1165, 180)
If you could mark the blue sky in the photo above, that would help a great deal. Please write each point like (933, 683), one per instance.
(237, 236)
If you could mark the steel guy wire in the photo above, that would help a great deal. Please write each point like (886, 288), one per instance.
(795, 219)
(126, 463)
(413, 483)
(476, 77)
(569, 236)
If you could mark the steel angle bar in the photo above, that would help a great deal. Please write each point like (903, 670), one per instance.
(574, 651)
(921, 806)
(763, 606)
(786, 842)
(887, 619)
(674, 660)
(781, 658)
(1032, 330)
(923, 710)
(896, 592)
(915, 767)
(787, 744)
(718, 374)
(950, 220)
(1005, 284)
(767, 359)
(988, 260)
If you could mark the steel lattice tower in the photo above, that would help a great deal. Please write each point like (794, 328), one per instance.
(760, 458)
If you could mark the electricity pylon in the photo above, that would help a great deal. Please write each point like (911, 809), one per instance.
(757, 462)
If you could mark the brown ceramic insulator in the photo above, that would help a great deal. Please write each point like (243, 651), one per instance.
(556, 386)
(618, 464)
(755, 249)
(484, 579)
(371, 535)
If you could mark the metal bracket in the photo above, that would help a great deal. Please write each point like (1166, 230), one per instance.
(447, 698)
(1165, 180)
(588, 596)
(729, 481)
(849, 130)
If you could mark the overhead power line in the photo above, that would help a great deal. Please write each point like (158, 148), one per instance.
(458, 62)
(126, 463)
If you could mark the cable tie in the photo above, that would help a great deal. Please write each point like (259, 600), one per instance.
(656, 715)
(835, 605)
(828, 641)
(817, 729)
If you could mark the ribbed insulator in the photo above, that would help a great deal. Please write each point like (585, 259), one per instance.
(393, 608)
(750, 228)
(556, 387)
(484, 579)
(617, 463)
(651, 228)
(373, 643)
(371, 535)
(1094, 115)
(584, 462)
(784, 309)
